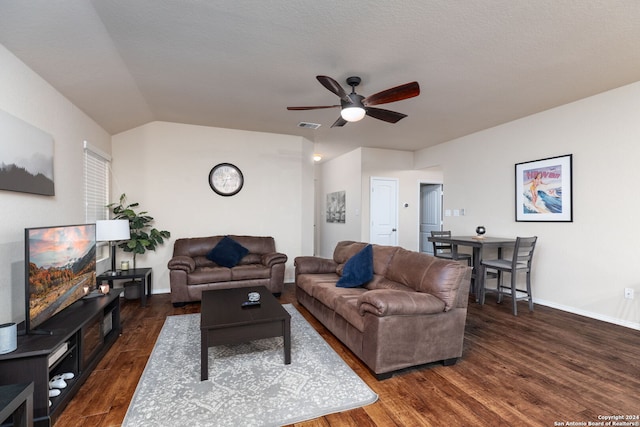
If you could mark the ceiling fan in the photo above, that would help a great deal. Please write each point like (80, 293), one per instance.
(355, 107)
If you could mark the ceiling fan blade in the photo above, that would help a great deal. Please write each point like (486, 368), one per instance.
(398, 93)
(334, 87)
(339, 123)
(312, 108)
(385, 115)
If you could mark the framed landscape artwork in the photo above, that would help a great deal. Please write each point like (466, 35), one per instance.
(544, 190)
(26, 157)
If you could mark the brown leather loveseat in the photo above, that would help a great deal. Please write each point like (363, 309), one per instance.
(191, 272)
(413, 311)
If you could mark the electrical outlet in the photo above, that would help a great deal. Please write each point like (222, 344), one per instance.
(628, 293)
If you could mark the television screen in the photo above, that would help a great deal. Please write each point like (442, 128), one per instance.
(60, 262)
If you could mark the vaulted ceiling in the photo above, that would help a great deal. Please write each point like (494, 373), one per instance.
(239, 64)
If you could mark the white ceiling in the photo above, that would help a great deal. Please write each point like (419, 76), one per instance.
(239, 64)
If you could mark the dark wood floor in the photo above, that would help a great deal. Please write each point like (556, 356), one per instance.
(540, 369)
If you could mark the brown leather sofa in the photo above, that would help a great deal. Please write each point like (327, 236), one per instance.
(190, 272)
(412, 312)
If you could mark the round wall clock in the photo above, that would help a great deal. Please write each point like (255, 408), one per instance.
(226, 179)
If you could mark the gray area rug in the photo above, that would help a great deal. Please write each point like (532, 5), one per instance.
(248, 385)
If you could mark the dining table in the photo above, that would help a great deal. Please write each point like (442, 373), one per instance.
(478, 245)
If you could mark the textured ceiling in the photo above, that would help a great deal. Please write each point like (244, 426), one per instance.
(239, 64)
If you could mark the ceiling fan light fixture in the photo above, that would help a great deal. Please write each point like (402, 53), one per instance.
(353, 114)
(355, 106)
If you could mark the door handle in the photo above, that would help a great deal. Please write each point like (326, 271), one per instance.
(393, 229)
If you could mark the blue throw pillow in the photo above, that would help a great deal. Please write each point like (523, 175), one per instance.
(358, 270)
(227, 252)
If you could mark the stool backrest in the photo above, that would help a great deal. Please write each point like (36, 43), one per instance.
(523, 252)
(439, 247)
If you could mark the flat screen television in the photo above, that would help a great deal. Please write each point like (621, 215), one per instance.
(59, 262)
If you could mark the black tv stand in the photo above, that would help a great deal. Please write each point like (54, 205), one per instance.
(39, 332)
(80, 336)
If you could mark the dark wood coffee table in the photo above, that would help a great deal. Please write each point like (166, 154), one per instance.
(223, 320)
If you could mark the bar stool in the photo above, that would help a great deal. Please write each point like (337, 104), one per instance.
(445, 250)
(520, 262)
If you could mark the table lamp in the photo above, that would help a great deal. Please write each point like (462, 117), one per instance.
(112, 231)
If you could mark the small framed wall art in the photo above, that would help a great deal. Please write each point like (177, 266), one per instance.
(336, 207)
(26, 157)
(544, 190)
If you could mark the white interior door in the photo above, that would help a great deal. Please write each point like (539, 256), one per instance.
(430, 214)
(384, 211)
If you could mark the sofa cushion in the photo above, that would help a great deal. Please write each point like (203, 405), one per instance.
(209, 275)
(255, 244)
(309, 282)
(428, 274)
(381, 282)
(203, 261)
(344, 251)
(382, 256)
(330, 295)
(251, 258)
(250, 272)
(227, 252)
(195, 246)
(358, 270)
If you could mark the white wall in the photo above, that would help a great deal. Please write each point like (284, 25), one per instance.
(26, 96)
(582, 266)
(352, 172)
(396, 164)
(165, 167)
(340, 174)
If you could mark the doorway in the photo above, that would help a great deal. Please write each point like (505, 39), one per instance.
(384, 211)
(430, 214)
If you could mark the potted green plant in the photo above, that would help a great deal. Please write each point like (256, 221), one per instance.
(143, 236)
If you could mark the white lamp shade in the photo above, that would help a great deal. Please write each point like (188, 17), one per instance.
(111, 230)
(352, 114)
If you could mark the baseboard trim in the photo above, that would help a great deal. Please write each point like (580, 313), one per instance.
(597, 316)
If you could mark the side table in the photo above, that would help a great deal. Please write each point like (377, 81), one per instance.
(16, 402)
(143, 274)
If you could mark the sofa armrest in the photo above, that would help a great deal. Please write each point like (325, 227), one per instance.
(273, 258)
(387, 302)
(182, 262)
(314, 265)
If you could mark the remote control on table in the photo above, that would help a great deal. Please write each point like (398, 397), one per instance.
(250, 303)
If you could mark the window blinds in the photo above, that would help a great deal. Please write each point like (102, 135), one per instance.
(96, 183)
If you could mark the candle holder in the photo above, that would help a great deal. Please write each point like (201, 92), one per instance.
(104, 288)
(124, 265)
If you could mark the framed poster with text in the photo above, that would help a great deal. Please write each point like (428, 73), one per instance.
(544, 190)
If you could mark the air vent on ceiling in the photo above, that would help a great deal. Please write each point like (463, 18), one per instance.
(308, 125)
